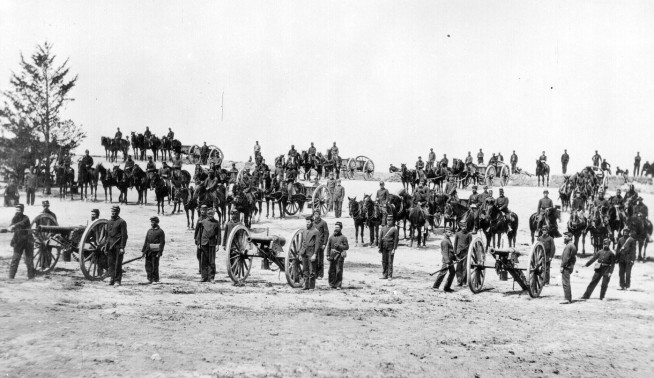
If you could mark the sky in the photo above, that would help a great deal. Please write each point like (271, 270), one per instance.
(384, 79)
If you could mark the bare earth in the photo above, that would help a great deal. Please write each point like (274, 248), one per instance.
(62, 324)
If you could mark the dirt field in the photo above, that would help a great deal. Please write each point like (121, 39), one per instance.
(62, 324)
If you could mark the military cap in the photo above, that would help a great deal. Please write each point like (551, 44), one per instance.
(309, 217)
(546, 191)
(115, 209)
(381, 182)
(95, 211)
(485, 186)
(607, 241)
(20, 206)
(154, 219)
(474, 187)
(45, 203)
(339, 224)
(203, 207)
(501, 189)
(210, 210)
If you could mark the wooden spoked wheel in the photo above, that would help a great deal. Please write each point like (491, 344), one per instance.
(92, 260)
(240, 251)
(45, 254)
(320, 199)
(369, 170)
(215, 155)
(293, 262)
(475, 265)
(292, 207)
(505, 175)
(537, 269)
(491, 173)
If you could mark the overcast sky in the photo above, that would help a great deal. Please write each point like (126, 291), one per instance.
(386, 79)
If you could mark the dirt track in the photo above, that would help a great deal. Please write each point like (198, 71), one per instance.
(62, 324)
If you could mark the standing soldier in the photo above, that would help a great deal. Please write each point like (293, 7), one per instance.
(568, 259)
(209, 239)
(447, 251)
(331, 187)
(204, 153)
(382, 198)
(626, 250)
(30, 186)
(475, 202)
(550, 250)
(420, 167)
(22, 242)
(229, 226)
(337, 246)
(115, 245)
(153, 248)
(339, 196)
(468, 159)
(388, 239)
(500, 157)
(321, 226)
(565, 158)
(46, 209)
(597, 159)
(257, 148)
(480, 157)
(334, 151)
(605, 258)
(198, 234)
(87, 161)
(514, 162)
(309, 253)
(431, 160)
(462, 240)
(444, 161)
(637, 164)
(171, 134)
(311, 151)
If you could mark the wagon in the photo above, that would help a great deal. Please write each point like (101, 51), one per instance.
(192, 153)
(216, 155)
(506, 262)
(360, 164)
(243, 246)
(493, 173)
(316, 197)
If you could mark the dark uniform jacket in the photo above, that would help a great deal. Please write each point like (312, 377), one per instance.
(565, 158)
(31, 180)
(154, 236)
(577, 204)
(198, 230)
(544, 203)
(339, 193)
(389, 237)
(626, 249)
(474, 199)
(331, 184)
(118, 135)
(468, 159)
(310, 242)
(87, 161)
(604, 256)
(129, 164)
(548, 244)
(600, 202)
(641, 208)
(116, 233)
(210, 233)
(432, 157)
(323, 230)
(171, 135)
(462, 242)
(229, 226)
(152, 166)
(569, 257)
(514, 158)
(502, 203)
(50, 213)
(444, 162)
(382, 195)
(420, 164)
(421, 194)
(447, 251)
(338, 243)
(311, 150)
(21, 222)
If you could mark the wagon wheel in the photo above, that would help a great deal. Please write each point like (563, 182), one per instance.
(92, 260)
(490, 175)
(320, 199)
(239, 254)
(475, 265)
(369, 170)
(293, 262)
(351, 165)
(536, 270)
(505, 175)
(45, 255)
(194, 154)
(217, 154)
(292, 207)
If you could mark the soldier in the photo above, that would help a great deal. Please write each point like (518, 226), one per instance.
(334, 151)
(382, 199)
(30, 187)
(637, 164)
(171, 134)
(513, 161)
(502, 204)
(46, 209)
(578, 203)
(469, 159)
(177, 163)
(331, 187)
(115, 245)
(129, 165)
(447, 266)
(209, 237)
(147, 134)
(474, 203)
(450, 189)
(431, 160)
(153, 247)
(626, 256)
(444, 161)
(292, 154)
(640, 207)
(601, 203)
(605, 258)
(257, 148)
(388, 239)
(312, 153)
(420, 167)
(197, 236)
(596, 159)
(543, 204)
(204, 153)
(309, 254)
(550, 250)
(234, 221)
(568, 259)
(543, 157)
(87, 160)
(323, 230)
(119, 135)
(606, 167)
(339, 196)
(337, 247)
(482, 197)
(462, 240)
(565, 158)
(420, 195)
(233, 174)
(492, 160)
(151, 166)
(22, 242)
(480, 157)
(500, 157)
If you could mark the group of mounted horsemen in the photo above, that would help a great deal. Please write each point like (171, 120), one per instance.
(141, 143)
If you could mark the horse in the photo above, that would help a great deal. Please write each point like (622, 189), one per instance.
(245, 203)
(542, 172)
(161, 191)
(356, 213)
(550, 218)
(578, 226)
(455, 212)
(122, 183)
(408, 178)
(277, 197)
(418, 221)
(436, 175)
(184, 197)
(140, 182)
(565, 191)
(308, 163)
(617, 219)
(65, 178)
(107, 180)
(494, 224)
(373, 218)
(155, 145)
(106, 142)
(643, 229)
(87, 178)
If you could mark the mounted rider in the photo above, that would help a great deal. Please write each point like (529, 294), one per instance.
(468, 159)
(617, 202)
(87, 161)
(450, 189)
(482, 197)
(474, 203)
(292, 155)
(151, 166)
(129, 166)
(118, 137)
(480, 157)
(421, 197)
(311, 152)
(544, 204)
(543, 157)
(640, 207)
(177, 163)
(577, 202)
(171, 134)
(382, 199)
(431, 159)
(420, 168)
(334, 150)
(606, 167)
(500, 157)
(444, 161)
(502, 204)
(597, 159)
(211, 182)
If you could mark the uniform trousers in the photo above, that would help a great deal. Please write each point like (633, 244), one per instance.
(198, 253)
(387, 261)
(152, 266)
(30, 194)
(450, 271)
(208, 262)
(461, 273)
(600, 274)
(636, 169)
(336, 272)
(309, 272)
(624, 271)
(564, 167)
(20, 249)
(115, 264)
(565, 282)
(320, 263)
(338, 208)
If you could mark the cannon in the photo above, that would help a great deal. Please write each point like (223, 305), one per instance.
(506, 263)
(243, 245)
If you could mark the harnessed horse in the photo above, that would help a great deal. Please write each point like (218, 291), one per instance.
(356, 213)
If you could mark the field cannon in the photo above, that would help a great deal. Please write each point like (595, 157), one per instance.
(506, 263)
(243, 245)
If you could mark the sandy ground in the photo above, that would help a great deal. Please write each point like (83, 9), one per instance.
(62, 324)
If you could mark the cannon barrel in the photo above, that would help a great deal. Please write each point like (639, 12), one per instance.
(272, 238)
(504, 250)
(60, 228)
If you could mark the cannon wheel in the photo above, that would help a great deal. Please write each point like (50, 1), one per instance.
(292, 206)
(320, 199)
(239, 259)
(216, 154)
(293, 262)
(536, 270)
(490, 175)
(45, 255)
(476, 256)
(90, 250)
(505, 175)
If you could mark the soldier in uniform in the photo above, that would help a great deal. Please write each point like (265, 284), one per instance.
(474, 203)
(431, 160)
(468, 159)
(211, 182)
(568, 259)
(600, 203)
(197, 234)
(209, 237)
(177, 163)
(309, 253)
(462, 240)
(626, 256)
(292, 154)
(388, 239)
(331, 187)
(502, 204)
(334, 151)
(151, 166)
(480, 157)
(257, 148)
(550, 250)
(115, 245)
(605, 258)
(606, 167)
(565, 158)
(500, 157)
(543, 157)
(337, 247)
(30, 186)
(153, 247)
(447, 266)
(640, 207)
(577, 203)
(171, 134)
(382, 199)
(339, 196)
(204, 153)
(482, 197)
(312, 153)
(543, 204)
(46, 209)
(444, 161)
(147, 134)
(129, 165)
(492, 160)
(637, 164)
(450, 189)
(119, 136)
(233, 174)
(22, 242)
(87, 161)
(514, 161)
(420, 167)
(234, 221)
(323, 230)
(95, 214)
(596, 159)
